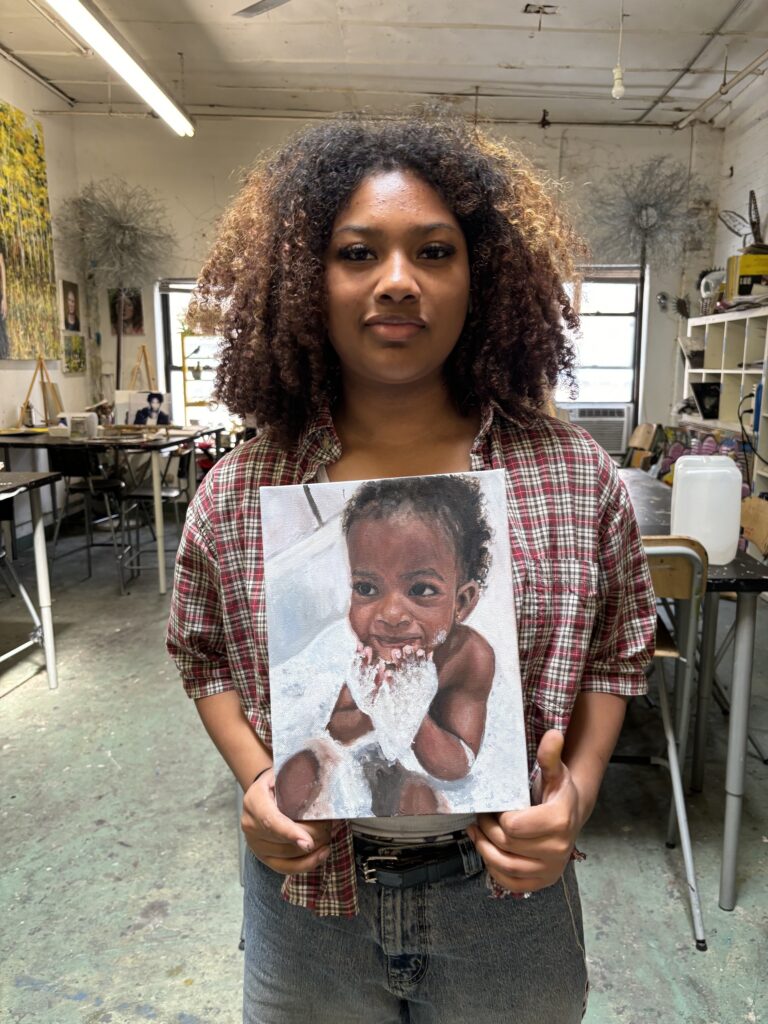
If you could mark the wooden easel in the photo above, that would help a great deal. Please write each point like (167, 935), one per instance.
(51, 400)
(143, 362)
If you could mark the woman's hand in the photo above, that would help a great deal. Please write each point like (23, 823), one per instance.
(286, 846)
(528, 850)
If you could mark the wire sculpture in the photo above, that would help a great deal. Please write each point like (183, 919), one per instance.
(119, 235)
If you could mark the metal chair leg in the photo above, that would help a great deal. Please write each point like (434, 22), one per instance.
(682, 817)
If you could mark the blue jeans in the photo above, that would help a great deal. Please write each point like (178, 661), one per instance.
(443, 953)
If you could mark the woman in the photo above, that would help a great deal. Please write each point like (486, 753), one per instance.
(392, 303)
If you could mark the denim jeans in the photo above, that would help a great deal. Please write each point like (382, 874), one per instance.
(442, 953)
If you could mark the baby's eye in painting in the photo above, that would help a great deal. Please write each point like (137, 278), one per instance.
(423, 590)
(364, 588)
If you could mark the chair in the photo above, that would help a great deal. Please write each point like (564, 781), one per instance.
(679, 572)
(84, 475)
(170, 491)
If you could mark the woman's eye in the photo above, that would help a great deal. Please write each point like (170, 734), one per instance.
(423, 590)
(363, 589)
(437, 251)
(356, 253)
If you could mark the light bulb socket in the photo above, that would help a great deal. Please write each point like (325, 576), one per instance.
(618, 82)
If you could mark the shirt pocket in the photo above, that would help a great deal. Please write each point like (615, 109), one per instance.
(556, 618)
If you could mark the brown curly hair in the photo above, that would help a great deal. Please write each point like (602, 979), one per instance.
(262, 288)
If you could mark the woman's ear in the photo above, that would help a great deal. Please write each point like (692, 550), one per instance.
(467, 597)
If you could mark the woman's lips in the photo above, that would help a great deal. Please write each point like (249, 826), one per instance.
(395, 331)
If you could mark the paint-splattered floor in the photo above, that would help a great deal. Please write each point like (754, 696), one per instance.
(118, 851)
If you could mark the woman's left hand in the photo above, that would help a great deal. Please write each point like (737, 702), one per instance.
(528, 850)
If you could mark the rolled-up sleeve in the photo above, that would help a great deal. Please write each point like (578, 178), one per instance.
(622, 641)
(195, 637)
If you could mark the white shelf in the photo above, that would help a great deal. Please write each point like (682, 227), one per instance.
(728, 339)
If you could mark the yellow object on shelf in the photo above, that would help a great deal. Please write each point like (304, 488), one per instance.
(746, 274)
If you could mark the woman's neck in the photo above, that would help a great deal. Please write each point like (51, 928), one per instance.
(398, 416)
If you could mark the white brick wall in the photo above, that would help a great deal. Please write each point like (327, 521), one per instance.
(744, 166)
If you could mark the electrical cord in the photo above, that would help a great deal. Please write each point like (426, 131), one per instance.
(745, 439)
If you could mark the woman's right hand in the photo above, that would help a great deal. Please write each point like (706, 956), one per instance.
(285, 846)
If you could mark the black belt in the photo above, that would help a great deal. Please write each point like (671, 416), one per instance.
(402, 867)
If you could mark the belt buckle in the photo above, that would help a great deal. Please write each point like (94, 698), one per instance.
(369, 868)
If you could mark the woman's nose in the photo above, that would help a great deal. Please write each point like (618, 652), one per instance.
(397, 281)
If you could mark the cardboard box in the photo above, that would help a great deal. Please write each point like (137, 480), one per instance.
(746, 275)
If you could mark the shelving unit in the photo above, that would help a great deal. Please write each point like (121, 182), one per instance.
(730, 343)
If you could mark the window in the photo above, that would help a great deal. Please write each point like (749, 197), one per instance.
(608, 349)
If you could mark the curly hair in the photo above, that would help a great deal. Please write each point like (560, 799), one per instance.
(263, 286)
(455, 502)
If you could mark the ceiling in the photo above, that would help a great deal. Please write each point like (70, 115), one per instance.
(313, 57)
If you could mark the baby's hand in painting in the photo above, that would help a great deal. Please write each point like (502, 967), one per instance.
(528, 850)
(286, 846)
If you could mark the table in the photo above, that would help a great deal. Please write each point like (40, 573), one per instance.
(12, 484)
(155, 445)
(747, 577)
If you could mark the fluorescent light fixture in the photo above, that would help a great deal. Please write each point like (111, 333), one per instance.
(90, 24)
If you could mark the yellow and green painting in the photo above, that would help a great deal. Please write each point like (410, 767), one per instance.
(28, 312)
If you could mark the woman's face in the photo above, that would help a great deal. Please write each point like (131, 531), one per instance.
(397, 281)
(71, 304)
(127, 309)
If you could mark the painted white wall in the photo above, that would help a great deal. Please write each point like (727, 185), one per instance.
(744, 166)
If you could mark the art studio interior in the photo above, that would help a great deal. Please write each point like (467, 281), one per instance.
(126, 128)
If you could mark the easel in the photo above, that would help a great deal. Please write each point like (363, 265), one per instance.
(51, 398)
(142, 362)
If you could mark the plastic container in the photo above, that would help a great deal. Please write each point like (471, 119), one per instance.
(706, 504)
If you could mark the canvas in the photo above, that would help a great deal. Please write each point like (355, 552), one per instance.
(143, 408)
(133, 311)
(29, 322)
(74, 353)
(394, 673)
(70, 295)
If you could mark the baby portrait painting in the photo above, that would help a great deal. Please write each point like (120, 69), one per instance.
(394, 676)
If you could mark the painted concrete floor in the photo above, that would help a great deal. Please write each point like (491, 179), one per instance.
(120, 890)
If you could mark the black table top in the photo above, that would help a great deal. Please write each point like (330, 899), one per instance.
(29, 481)
(156, 442)
(652, 502)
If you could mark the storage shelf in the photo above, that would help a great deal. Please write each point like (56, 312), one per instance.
(721, 342)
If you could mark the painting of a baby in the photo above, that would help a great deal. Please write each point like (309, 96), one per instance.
(408, 716)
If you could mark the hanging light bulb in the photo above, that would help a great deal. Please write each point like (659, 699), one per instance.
(617, 91)
(618, 82)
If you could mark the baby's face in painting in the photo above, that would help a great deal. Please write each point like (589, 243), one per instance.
(407, 586)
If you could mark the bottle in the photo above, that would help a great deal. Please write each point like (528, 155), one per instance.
(706, 504)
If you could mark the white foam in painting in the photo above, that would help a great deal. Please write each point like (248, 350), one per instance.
(312, 649)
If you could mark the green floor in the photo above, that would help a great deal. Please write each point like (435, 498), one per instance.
(120, 894)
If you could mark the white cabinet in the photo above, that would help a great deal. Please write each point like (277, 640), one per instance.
(733, 350)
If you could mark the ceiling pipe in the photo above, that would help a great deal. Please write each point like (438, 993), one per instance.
(84, 51)
(13, 59)
(724, 89)
(712, 36)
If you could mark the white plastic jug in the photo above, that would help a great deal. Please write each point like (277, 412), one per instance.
(706, 504)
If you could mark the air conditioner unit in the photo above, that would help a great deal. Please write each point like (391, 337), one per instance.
(609, 424)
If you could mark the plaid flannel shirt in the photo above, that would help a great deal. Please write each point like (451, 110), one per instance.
(583, 595)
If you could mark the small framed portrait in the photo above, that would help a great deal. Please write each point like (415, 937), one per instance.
(70, 294)
(132, 312)
(143, 408)
(73, 353)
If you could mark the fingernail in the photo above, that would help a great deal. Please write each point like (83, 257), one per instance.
(408, 650)
(305, 844)
(324, 856)
(420, 652)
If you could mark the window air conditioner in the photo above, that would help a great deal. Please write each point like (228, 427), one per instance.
(610, 425)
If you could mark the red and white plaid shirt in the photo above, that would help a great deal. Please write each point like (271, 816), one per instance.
(583, 594)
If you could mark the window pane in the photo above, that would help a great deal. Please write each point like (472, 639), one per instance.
(606, 341)
(607, 297)
(599, 386)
